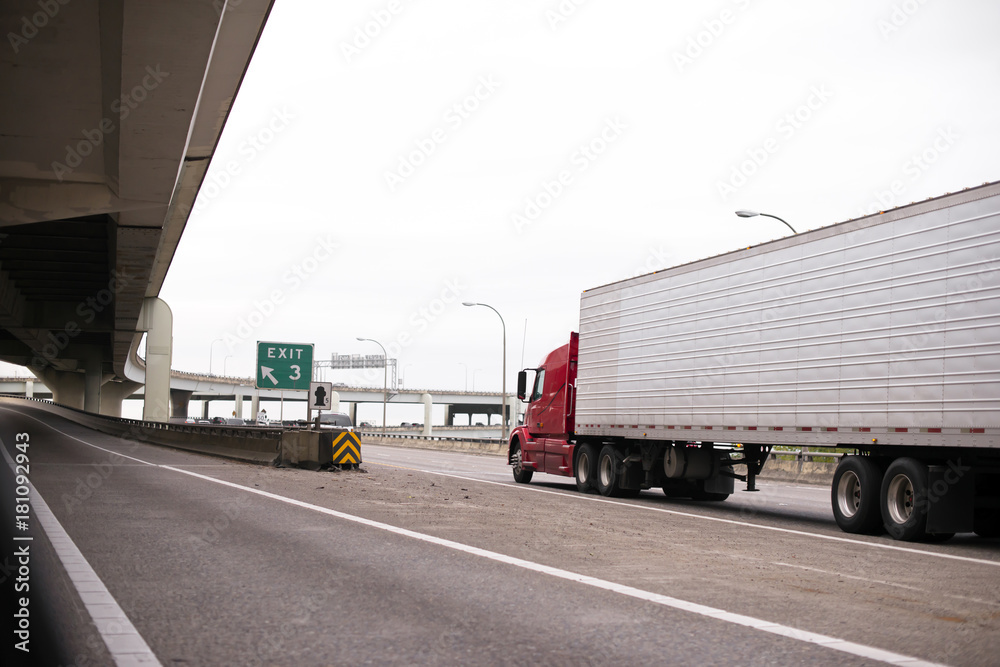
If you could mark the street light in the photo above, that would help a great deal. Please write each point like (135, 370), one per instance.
(503, 382)
(750, 214)
(211, 349)
(385, 378)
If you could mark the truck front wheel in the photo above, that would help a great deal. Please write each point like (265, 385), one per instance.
(608, 472)
(904, 499)
(855, 495)
(522, 475)
(586, 468)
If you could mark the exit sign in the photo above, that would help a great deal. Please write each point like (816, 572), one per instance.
(284, 365)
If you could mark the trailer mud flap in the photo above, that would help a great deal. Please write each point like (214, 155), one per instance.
(951, 498)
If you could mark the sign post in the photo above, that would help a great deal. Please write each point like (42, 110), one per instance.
(320, 398)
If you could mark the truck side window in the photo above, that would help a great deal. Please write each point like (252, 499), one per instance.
(536, 393)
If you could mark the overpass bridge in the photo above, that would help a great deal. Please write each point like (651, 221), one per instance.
(185, 387)
(114, 113)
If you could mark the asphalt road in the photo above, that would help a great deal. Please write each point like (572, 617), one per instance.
(430, 557)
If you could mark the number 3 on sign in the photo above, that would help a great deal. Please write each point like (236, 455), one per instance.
(296, 372)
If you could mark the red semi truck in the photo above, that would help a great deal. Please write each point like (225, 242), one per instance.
(880, 335)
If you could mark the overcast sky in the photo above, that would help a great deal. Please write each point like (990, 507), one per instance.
(387, 160)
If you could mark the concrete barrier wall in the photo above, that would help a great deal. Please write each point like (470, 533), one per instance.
(257, 445)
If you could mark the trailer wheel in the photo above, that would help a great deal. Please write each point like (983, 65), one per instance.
(522, 475)
(709, 496)
(586, 468)
(904, 499)
(855, 494)
(608, 471)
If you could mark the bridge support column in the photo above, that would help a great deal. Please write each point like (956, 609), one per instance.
(204, 408)
(157, 321)
(179, 401)
(238, 408)
(335, 402)
(93, 377)
(254, 406)
(67, 387)
(354, 414)
(428, 413)
(112, 395)
(449, 416)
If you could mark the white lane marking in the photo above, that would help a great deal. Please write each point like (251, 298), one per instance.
(825, 641)
(887, 583)
(125, 644)
(820, 536)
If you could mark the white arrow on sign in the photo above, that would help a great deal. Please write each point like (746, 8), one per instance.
(266, 372)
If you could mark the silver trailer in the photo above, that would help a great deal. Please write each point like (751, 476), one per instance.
(880, 334)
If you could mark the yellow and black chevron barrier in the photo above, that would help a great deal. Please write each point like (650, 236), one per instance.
(346, 448)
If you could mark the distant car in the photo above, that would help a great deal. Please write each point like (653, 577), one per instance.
(204, 421)
(219, 420)
(366, 425)
(235, 421)
(336, 420)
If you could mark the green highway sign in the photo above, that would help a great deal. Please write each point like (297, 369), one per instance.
(284, 365)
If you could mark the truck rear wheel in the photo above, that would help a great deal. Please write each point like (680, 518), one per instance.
(522, 475)
(608, 472)
(855, 494)
(904, 499)
(586, 468)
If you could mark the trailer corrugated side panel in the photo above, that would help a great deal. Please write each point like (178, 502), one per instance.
(886, 327)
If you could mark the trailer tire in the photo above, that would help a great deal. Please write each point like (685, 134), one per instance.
(608, 471)
(903, 500)
(522, 475)
(855, 493)
(709, 496)
(586, 468)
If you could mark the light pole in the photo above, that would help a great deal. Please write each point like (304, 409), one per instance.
(385, 378)
(503, 381)
(211, 349)
(750, 214)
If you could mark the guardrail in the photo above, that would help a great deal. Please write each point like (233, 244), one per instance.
(803, 455)
(442, 438)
